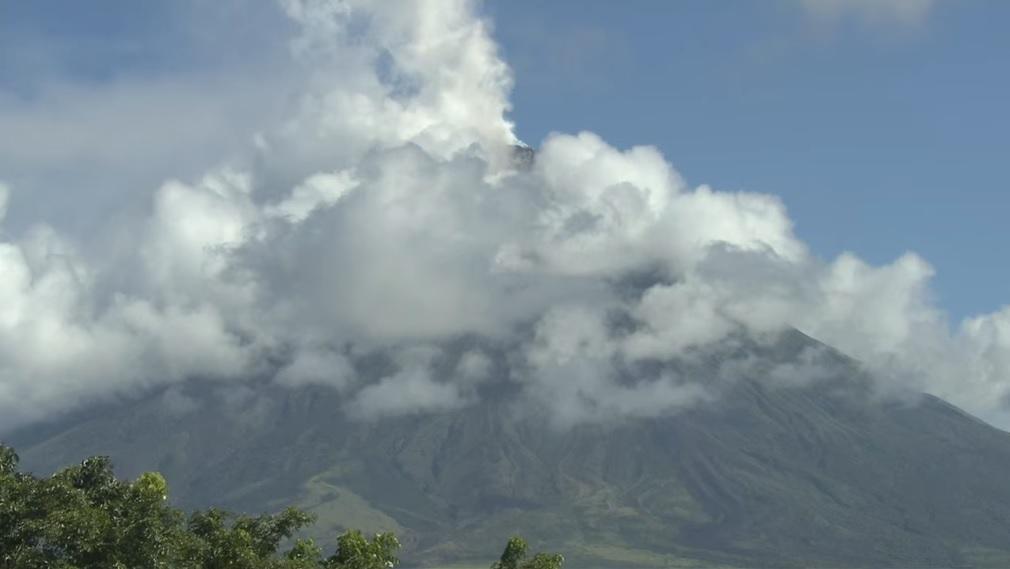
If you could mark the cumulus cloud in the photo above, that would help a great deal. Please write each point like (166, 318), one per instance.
(382, 240)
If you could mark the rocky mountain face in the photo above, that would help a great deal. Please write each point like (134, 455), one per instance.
(765, 474)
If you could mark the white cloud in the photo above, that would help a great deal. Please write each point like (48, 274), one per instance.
(411, 389)
(383, 217)
(574, 373)
(319, 190)
(474, 367)
(317, 367)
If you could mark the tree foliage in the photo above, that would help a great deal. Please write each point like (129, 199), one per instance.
(514, 557)
(83, 517)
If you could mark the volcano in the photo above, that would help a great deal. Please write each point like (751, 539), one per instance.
(821, 472)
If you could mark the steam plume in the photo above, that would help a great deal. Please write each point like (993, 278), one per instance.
(386, 214)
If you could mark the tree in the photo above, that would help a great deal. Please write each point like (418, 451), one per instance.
(354, 551)
(514, 557)
(83, 517)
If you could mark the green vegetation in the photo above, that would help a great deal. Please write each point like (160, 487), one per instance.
(84, 517)
(514, 557)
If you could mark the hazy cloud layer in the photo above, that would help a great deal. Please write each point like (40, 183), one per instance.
(879, 12)
(357, 240)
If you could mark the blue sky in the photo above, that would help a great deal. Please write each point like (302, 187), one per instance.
(880, 134)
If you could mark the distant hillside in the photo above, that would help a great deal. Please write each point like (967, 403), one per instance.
(766, 474)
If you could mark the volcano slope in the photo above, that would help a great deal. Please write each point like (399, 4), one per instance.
(767, 473)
